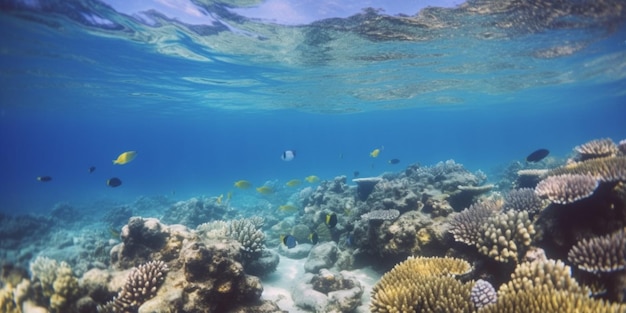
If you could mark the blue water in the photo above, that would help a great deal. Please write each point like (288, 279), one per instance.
(204, 111)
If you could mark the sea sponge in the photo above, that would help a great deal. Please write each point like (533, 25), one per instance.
(600, 254)
(385, 215)
(566, 188)
(603, 169)
(506, 235)
(424, 285)
(141, 285)
(466, 226)
(483, 293)
(597, 148)
(246, 232)
(524, 199)
(549, 274)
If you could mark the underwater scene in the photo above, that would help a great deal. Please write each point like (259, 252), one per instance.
(257, 156)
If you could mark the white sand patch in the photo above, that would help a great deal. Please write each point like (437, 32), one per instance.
(277, 286)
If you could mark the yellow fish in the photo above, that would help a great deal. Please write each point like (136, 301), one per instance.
(229, 195)
(219, 199)
(125, 157)
(265, 190)
(375, 153)
(293, 183)
(243, 184)
(288, 208)
(312, 179)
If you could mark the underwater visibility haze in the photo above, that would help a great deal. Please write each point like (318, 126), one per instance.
(335, 123)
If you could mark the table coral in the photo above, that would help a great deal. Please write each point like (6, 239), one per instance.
(610, 169)
(524, 199)
(566, 188)
(597, 148)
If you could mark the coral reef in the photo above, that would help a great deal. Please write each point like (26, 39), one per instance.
(141, 285)
(610, 169)
(247, 233)
(597, 148)
(600, 254)
(424, 285)
(196, 211)
(529, 178)
(56, 282)
(507, 236)
(321, 256)
(467, 225)
(566, 188)
(622, 146)
(383, 215)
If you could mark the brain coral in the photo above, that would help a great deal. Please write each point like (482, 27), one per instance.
(566, 188)
(424, 285)
(597, 148)
(600, 254)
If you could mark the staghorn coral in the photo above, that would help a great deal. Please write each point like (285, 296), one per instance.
(505, 236)
(524, 199)
(550, 274)
(385, 215)
(466, 226)
(424, 285)
(600, 254)
(603, 169)
(597, 148)
(483, 293)
(141, 285)
(252, 239)
(566, 188)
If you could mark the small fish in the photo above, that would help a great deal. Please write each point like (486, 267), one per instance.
(229, 195)
(114, 182)
(375, 153)
(218, 200)
(288, 208)
(44, 178)
(537, 155)
(312, 179)
(265, 190)
(288, 240)
(293, 183)
(243, 184)
(314, 238)
(288, 155)
(125, 157)
(356, 174)
(394, 161)
(331, 220)
(91, 169)
(114, 233)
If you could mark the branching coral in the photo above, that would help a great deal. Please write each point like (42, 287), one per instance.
(566, 188)
(506, 235)
(483, 293)
(246, 232)
(141, 285)
(524, 199)
(57, 281)
(466, 226)
(600, 254)
(597, 148)
(424, 285)
(213, 230)
(546, 286)
(385, 215)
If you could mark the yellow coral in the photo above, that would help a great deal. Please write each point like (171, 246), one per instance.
(543, 273)
(425, 284)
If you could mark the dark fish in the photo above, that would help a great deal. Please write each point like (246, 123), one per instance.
(288, 155)
(537, 155)
(44, 178)
(91, 169)
(331, 220)
(394, 161)
(114, 182)
(289, 241)
(314, 238)
(356, 174)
